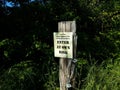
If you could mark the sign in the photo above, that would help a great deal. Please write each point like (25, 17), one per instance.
(63, 44)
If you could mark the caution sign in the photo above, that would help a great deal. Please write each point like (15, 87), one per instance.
(63, 44)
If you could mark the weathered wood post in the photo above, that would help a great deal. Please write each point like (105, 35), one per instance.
(68, 55)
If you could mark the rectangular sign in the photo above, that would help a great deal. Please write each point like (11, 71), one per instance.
(63, 44)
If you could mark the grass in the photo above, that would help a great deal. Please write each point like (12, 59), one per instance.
(103, 77)
(89, 77)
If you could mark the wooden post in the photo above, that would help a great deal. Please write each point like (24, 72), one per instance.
(67, 65)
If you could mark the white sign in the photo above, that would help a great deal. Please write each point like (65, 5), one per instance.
(63, 44)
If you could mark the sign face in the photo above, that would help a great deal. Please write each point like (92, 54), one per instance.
(63, 44)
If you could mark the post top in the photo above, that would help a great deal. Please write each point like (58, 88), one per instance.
(67, 26)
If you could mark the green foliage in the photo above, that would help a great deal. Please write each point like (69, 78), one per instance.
(103, 77)
(26, 43)
(20, 75)
(35, 73)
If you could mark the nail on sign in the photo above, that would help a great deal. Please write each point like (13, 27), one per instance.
(63, 44)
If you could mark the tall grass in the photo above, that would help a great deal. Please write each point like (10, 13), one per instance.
(25, 76)
(103, 77)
